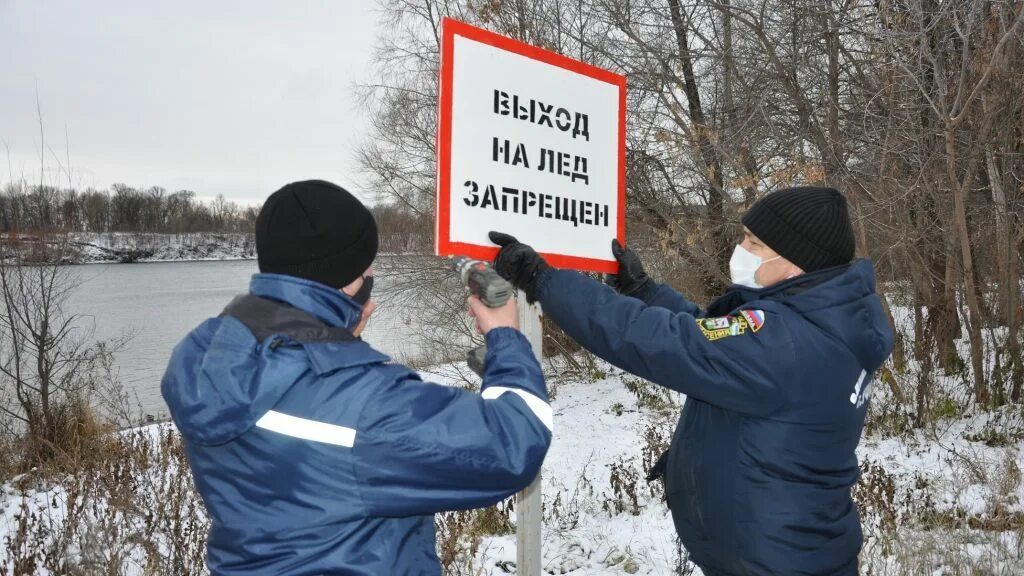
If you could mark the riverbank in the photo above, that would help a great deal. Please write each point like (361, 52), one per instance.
(133, 247)
(128, 247)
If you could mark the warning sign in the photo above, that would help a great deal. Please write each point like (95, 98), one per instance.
(530, 143)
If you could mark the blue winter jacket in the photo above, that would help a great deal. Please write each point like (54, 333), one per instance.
(762, 461)
(314, 455)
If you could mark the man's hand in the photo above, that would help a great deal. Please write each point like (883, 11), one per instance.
(518, 263)
(631, 278)
(487, 319)
(368, 309)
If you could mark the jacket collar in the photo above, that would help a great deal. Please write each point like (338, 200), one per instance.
(794, 286)
(330, 305)
(737, 295)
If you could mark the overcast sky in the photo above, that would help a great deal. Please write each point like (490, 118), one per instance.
(232, 97)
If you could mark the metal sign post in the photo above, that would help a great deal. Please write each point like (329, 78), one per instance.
(529, 501)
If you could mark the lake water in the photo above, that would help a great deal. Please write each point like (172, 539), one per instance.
(158, 304)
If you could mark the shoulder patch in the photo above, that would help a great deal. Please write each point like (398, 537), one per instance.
(755, 319)
(733, 325)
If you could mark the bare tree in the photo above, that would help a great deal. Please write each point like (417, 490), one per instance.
(31, 209)
(50, 367)
(911, 107)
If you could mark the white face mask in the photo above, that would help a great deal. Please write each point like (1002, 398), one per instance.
(743, 267)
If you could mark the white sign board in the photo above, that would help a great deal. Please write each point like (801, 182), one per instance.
(530, 143)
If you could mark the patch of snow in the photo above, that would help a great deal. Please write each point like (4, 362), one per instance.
(601, 424)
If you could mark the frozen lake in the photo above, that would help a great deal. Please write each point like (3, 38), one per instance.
(158, 304)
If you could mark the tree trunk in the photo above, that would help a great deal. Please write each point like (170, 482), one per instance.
(1013, 340)
(924, 331)
(974, 321)
(720, 240)
(1014, 317)
(1004, 238)
(746, 162)
(947, 314)
(1007, 280)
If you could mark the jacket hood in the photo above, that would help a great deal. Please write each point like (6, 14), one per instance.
(840, 301)
(843, 303)
(222, 378)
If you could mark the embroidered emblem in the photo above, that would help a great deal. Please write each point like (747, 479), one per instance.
(755, 319)
(717, 323)
(725, 326)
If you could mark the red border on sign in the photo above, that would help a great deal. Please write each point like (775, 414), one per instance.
(442, 231)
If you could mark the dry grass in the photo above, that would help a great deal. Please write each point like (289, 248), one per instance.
(461, 534)
(126, 505)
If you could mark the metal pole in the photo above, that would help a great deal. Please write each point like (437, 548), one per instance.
(529, 501)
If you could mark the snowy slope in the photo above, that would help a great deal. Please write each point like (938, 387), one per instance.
(605, 432)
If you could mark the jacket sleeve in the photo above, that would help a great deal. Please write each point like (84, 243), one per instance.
(426, 448)
(745, 373)
(664, 296)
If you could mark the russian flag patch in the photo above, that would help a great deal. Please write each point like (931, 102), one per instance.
(754, 318)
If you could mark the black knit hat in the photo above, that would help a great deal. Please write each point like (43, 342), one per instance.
(315, 230)
(808, 226)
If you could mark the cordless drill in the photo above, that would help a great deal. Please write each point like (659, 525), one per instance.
(493, 290)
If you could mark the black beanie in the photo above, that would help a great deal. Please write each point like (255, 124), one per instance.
(809, 226)
(315, 230)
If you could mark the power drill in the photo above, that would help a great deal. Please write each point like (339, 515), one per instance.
(493, 290)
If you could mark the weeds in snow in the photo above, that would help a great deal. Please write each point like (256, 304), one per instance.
(131, 509)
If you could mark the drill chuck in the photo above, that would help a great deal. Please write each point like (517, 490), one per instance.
(493, 290)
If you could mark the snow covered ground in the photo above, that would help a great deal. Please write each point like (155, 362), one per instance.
(940, 502)
(935, 500)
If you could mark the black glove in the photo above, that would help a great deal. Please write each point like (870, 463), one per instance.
(518, 263)
(631, 279)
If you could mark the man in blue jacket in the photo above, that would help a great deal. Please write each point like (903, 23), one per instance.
(777, 374)
(314, 454)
